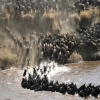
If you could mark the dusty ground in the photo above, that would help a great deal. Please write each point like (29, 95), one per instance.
(7, 59)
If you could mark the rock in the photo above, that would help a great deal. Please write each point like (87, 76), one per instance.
(75, 57)
(97, 55)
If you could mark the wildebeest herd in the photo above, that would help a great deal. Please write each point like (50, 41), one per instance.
(42, 6)
(57, 46)
(37, 83)
(60, 46)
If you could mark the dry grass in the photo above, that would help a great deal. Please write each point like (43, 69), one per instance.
(53, 24)
(73, 21)
(75, 17)
(10, 57)
(4, 14)
(12, 12)
(86, 18)
(51, 15)
(7, 59)
(96, 10)
(27, 16)
(5, 53)
(50, 20)
(86, 15)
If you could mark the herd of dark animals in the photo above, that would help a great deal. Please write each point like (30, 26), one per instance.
(51, 44)
(57, 47)
(36, 83)
(42, 6)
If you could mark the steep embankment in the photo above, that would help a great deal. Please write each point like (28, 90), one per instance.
(7, 59)
(8, 51)
(24, 26)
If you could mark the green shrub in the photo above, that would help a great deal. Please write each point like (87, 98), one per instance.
(10, 57)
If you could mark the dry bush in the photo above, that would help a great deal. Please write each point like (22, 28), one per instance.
(27, 16)
(86, 17)
(97, 10)
(4, 14)
(50, 21)
(48, 15)
(51, 14)
(89, 17)
(8, 61)
(53, 24)
(75, 17)
(74, 20)
(12, 9)
(12, 12)
(11, 57)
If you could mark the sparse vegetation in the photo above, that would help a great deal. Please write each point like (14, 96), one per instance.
(11, 57)
(8, 61)
(27, 16)
(74, 20)
(86, 17)
(4, 14)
